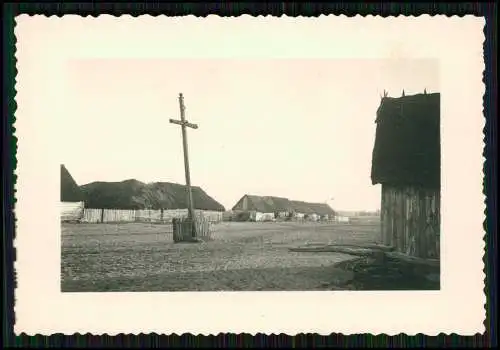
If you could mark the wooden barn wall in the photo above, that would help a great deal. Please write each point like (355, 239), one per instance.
(411, 220)
(119, 215)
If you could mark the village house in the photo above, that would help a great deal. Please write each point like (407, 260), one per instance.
(262, 208)
(406, 162)
(323, 211)
(72, 204)
(312, 211)
(254, 208)
(300, 210)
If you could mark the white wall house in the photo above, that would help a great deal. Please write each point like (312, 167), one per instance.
(71, 211)
(342, 219)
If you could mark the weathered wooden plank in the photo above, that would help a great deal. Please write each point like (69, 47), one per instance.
(401, 219)
(438, 224)
(413, 223)
(394, 217)
(384, 212)
(406, 206)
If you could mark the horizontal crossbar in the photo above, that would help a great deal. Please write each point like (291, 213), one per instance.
(180, 122)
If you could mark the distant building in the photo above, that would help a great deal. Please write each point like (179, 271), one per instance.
(312, 211)
(71, 205)
(262, 208)
(406, 162)
(254, 208)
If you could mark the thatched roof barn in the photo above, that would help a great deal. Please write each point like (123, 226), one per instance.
(312, 208)
(255, 203)
(114, 195)
(133, 194)
(168, 195)
(321, 209)
(70, 192)
(407, 144)
(406, 162)
(272, 204)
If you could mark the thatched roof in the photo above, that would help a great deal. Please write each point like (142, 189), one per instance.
(301, 207)
(312, 208)
(271, 204)
(257, 203)
(407, 144)
(70, 192)
(114, 195)
(169, 195)
(133, 194)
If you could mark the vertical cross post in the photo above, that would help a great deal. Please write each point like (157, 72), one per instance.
(183, 123)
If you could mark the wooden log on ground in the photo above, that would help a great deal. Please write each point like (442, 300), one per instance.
(332, 249)
(379, 252)
(413, 259)
(350, 245)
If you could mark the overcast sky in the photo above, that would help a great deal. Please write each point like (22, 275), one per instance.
(302, 129)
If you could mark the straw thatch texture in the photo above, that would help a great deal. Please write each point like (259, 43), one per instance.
(167, 195)
(70, 192)
(133, 194)
(114, 195)
(407, 144)
(271, 204)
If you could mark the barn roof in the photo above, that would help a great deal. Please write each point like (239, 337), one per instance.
(114, 195)
(133, 194)
(407, 143)
(321, 208)
(168, 195)
(258, 203)
(70, 192)
(278, 203)
(301, 207)
(269, 204)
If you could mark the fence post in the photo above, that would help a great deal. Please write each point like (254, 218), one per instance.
(102, 216)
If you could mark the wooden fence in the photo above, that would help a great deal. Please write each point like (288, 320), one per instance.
(155, 216)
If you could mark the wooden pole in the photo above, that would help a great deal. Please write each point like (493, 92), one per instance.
(183, 123)
(186, 158)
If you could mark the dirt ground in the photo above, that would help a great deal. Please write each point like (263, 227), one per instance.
(243, 256)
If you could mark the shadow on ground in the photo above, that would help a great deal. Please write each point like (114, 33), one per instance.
(390, 274)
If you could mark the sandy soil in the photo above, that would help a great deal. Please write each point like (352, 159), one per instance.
(243, 256)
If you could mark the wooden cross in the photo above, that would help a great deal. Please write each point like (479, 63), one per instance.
(184, 123)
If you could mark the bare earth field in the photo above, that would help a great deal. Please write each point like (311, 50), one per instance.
(244, 256)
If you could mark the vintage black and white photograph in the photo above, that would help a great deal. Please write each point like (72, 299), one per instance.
(330, 166)
(260, 175)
